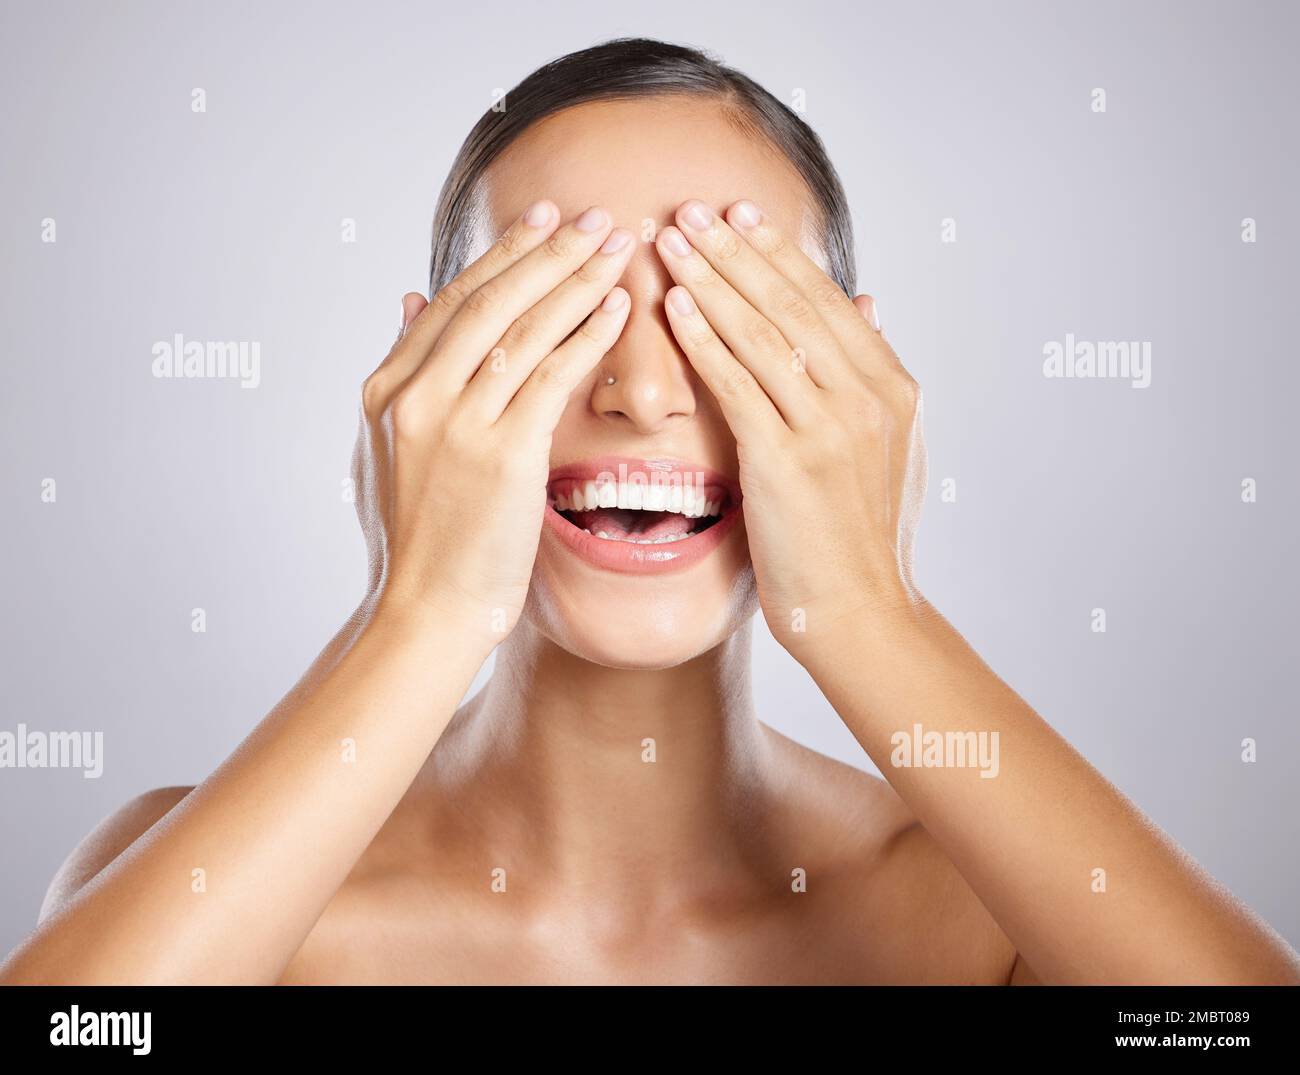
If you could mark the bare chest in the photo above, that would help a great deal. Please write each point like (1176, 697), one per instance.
(486, 940)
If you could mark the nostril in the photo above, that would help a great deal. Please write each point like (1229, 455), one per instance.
(650, 391)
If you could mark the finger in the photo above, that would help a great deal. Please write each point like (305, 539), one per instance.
(898, 384)
(381, 383)
(543, 328)
(530, 230)
(748, 409)
(412, 303)
(748, 336)
(867, 308)
(867, 349)
(422, 326)
(543, 396)
(765, 289)
(493, 307)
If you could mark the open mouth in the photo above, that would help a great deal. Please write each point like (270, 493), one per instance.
(640, 515)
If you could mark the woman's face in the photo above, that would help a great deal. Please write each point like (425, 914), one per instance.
(662, 586)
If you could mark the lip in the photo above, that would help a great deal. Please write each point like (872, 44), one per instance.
(626, 556)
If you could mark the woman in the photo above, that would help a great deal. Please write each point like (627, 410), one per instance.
(639, 319)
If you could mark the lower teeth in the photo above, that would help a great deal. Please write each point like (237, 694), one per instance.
(667, 538)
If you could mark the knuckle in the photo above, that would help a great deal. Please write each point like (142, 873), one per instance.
(699, 274)
(512, 244)
(551, 374)
(486, 299)
(759, 332)
(909, 389)
(589, 272)
(374, 393)
(773, 243)
(727, 246)
(591, 332)
(700, 337)
(793, 305)
(520, 334)
(826, 292)
(407, 415)
(558, 245)
(738, 382)
(451, 296)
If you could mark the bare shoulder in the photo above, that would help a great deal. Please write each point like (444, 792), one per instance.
(849, 814)
(906, 912)
(107, 840)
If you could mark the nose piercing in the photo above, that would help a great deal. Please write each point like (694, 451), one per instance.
(609, 380)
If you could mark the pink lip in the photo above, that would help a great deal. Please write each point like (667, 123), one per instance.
(627, 556)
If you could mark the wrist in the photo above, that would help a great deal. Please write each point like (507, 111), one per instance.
(439, 620)
(871, 623)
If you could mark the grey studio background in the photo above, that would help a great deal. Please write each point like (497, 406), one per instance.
(1072, 495)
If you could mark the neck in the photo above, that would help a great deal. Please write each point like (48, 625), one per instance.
(626, 782)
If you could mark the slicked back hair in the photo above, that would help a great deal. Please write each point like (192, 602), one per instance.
(627, 68)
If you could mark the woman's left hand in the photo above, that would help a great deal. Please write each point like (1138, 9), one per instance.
(826, 419)
(832, 467)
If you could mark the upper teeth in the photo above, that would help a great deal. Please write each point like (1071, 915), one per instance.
(683, 499)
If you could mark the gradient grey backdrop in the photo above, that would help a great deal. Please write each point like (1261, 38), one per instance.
(1071, 494)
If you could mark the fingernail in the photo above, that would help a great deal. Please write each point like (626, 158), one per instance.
(675, 243)
(618, 239)
(747, 214)
(875, 315)
(538, 215)
(591, 220)
(615, 300)
(681, 301)
(697, 215)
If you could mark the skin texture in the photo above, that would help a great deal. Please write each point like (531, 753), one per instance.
(381, 869)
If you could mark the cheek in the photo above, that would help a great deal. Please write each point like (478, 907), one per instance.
(569, 430)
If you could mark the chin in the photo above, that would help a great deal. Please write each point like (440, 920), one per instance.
(642, 563)
(624, 622)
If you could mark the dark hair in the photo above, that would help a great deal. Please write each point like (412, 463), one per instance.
(624, 68)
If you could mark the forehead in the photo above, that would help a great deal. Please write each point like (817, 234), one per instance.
(642, 158)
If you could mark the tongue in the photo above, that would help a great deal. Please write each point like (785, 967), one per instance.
(627, 522)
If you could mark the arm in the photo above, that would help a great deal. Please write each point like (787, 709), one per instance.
(452, 463)
(275, 830)
(105, 842)
(1028, 840)
(828, 430)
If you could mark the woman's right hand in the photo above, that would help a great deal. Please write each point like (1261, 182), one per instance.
(453, 455)
(452, 464)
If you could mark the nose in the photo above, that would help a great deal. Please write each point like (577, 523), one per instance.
(645, 383)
